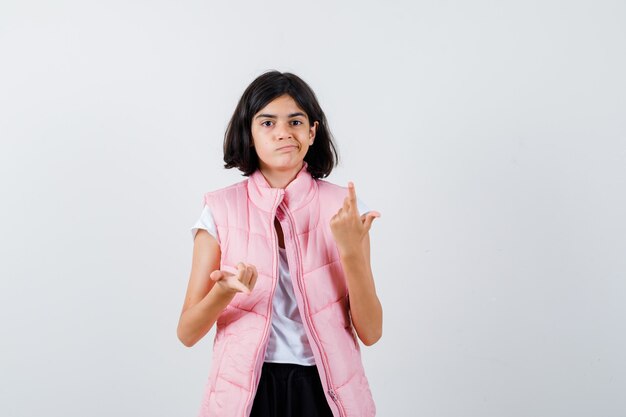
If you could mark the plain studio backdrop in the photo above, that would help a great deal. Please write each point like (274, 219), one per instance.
(490, 135)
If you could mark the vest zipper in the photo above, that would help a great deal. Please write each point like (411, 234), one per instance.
(331, 391)
(269, 318)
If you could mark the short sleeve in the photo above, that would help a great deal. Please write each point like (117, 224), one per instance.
(363, 208)
(205, 222)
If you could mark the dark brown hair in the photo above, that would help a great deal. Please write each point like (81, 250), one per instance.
(321, 157)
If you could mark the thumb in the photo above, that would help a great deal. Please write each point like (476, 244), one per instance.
(217, 275)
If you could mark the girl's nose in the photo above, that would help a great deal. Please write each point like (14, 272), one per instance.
(283, 130)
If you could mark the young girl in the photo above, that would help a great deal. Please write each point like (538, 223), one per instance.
(281, 265)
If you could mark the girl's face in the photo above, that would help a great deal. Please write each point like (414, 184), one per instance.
(282, 134)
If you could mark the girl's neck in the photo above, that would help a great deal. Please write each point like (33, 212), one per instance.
(280, 178)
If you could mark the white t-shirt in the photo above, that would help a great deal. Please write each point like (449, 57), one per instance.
(288, 342)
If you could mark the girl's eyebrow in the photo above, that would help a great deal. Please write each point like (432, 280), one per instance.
(273, 116)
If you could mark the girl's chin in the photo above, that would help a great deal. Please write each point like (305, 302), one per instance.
(285, 164)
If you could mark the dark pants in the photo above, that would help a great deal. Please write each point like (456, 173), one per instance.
(289, 390)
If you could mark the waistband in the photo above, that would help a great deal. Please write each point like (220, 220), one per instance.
(286, 370)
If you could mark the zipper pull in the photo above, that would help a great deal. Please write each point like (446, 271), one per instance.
(332, 395)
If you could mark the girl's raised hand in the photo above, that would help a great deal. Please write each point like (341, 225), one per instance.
(347, 226)
(243, 281)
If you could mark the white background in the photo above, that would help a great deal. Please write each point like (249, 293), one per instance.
(490, 135)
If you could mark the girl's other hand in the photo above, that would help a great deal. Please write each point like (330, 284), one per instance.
(243, 281)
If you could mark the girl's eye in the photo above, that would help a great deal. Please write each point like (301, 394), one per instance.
(267, 123)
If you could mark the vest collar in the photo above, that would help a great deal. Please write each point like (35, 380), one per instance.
(299, 192)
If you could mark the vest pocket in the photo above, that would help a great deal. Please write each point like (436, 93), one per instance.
(347, 322)
(219, 348)
(350, 329)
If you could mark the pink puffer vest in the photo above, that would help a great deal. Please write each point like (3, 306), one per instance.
(244, 215)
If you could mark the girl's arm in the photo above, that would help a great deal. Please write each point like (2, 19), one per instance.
(351, 233)
(365, 308)
(204, 300)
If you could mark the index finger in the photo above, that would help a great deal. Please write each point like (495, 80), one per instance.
(352, 193)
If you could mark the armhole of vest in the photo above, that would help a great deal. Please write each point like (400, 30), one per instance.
(208, 202)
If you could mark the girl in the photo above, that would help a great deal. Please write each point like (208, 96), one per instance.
(281, 265)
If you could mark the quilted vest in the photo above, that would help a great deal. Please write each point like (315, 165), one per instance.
(244, 215)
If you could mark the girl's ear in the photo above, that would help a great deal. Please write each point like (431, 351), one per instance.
(313, 131)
